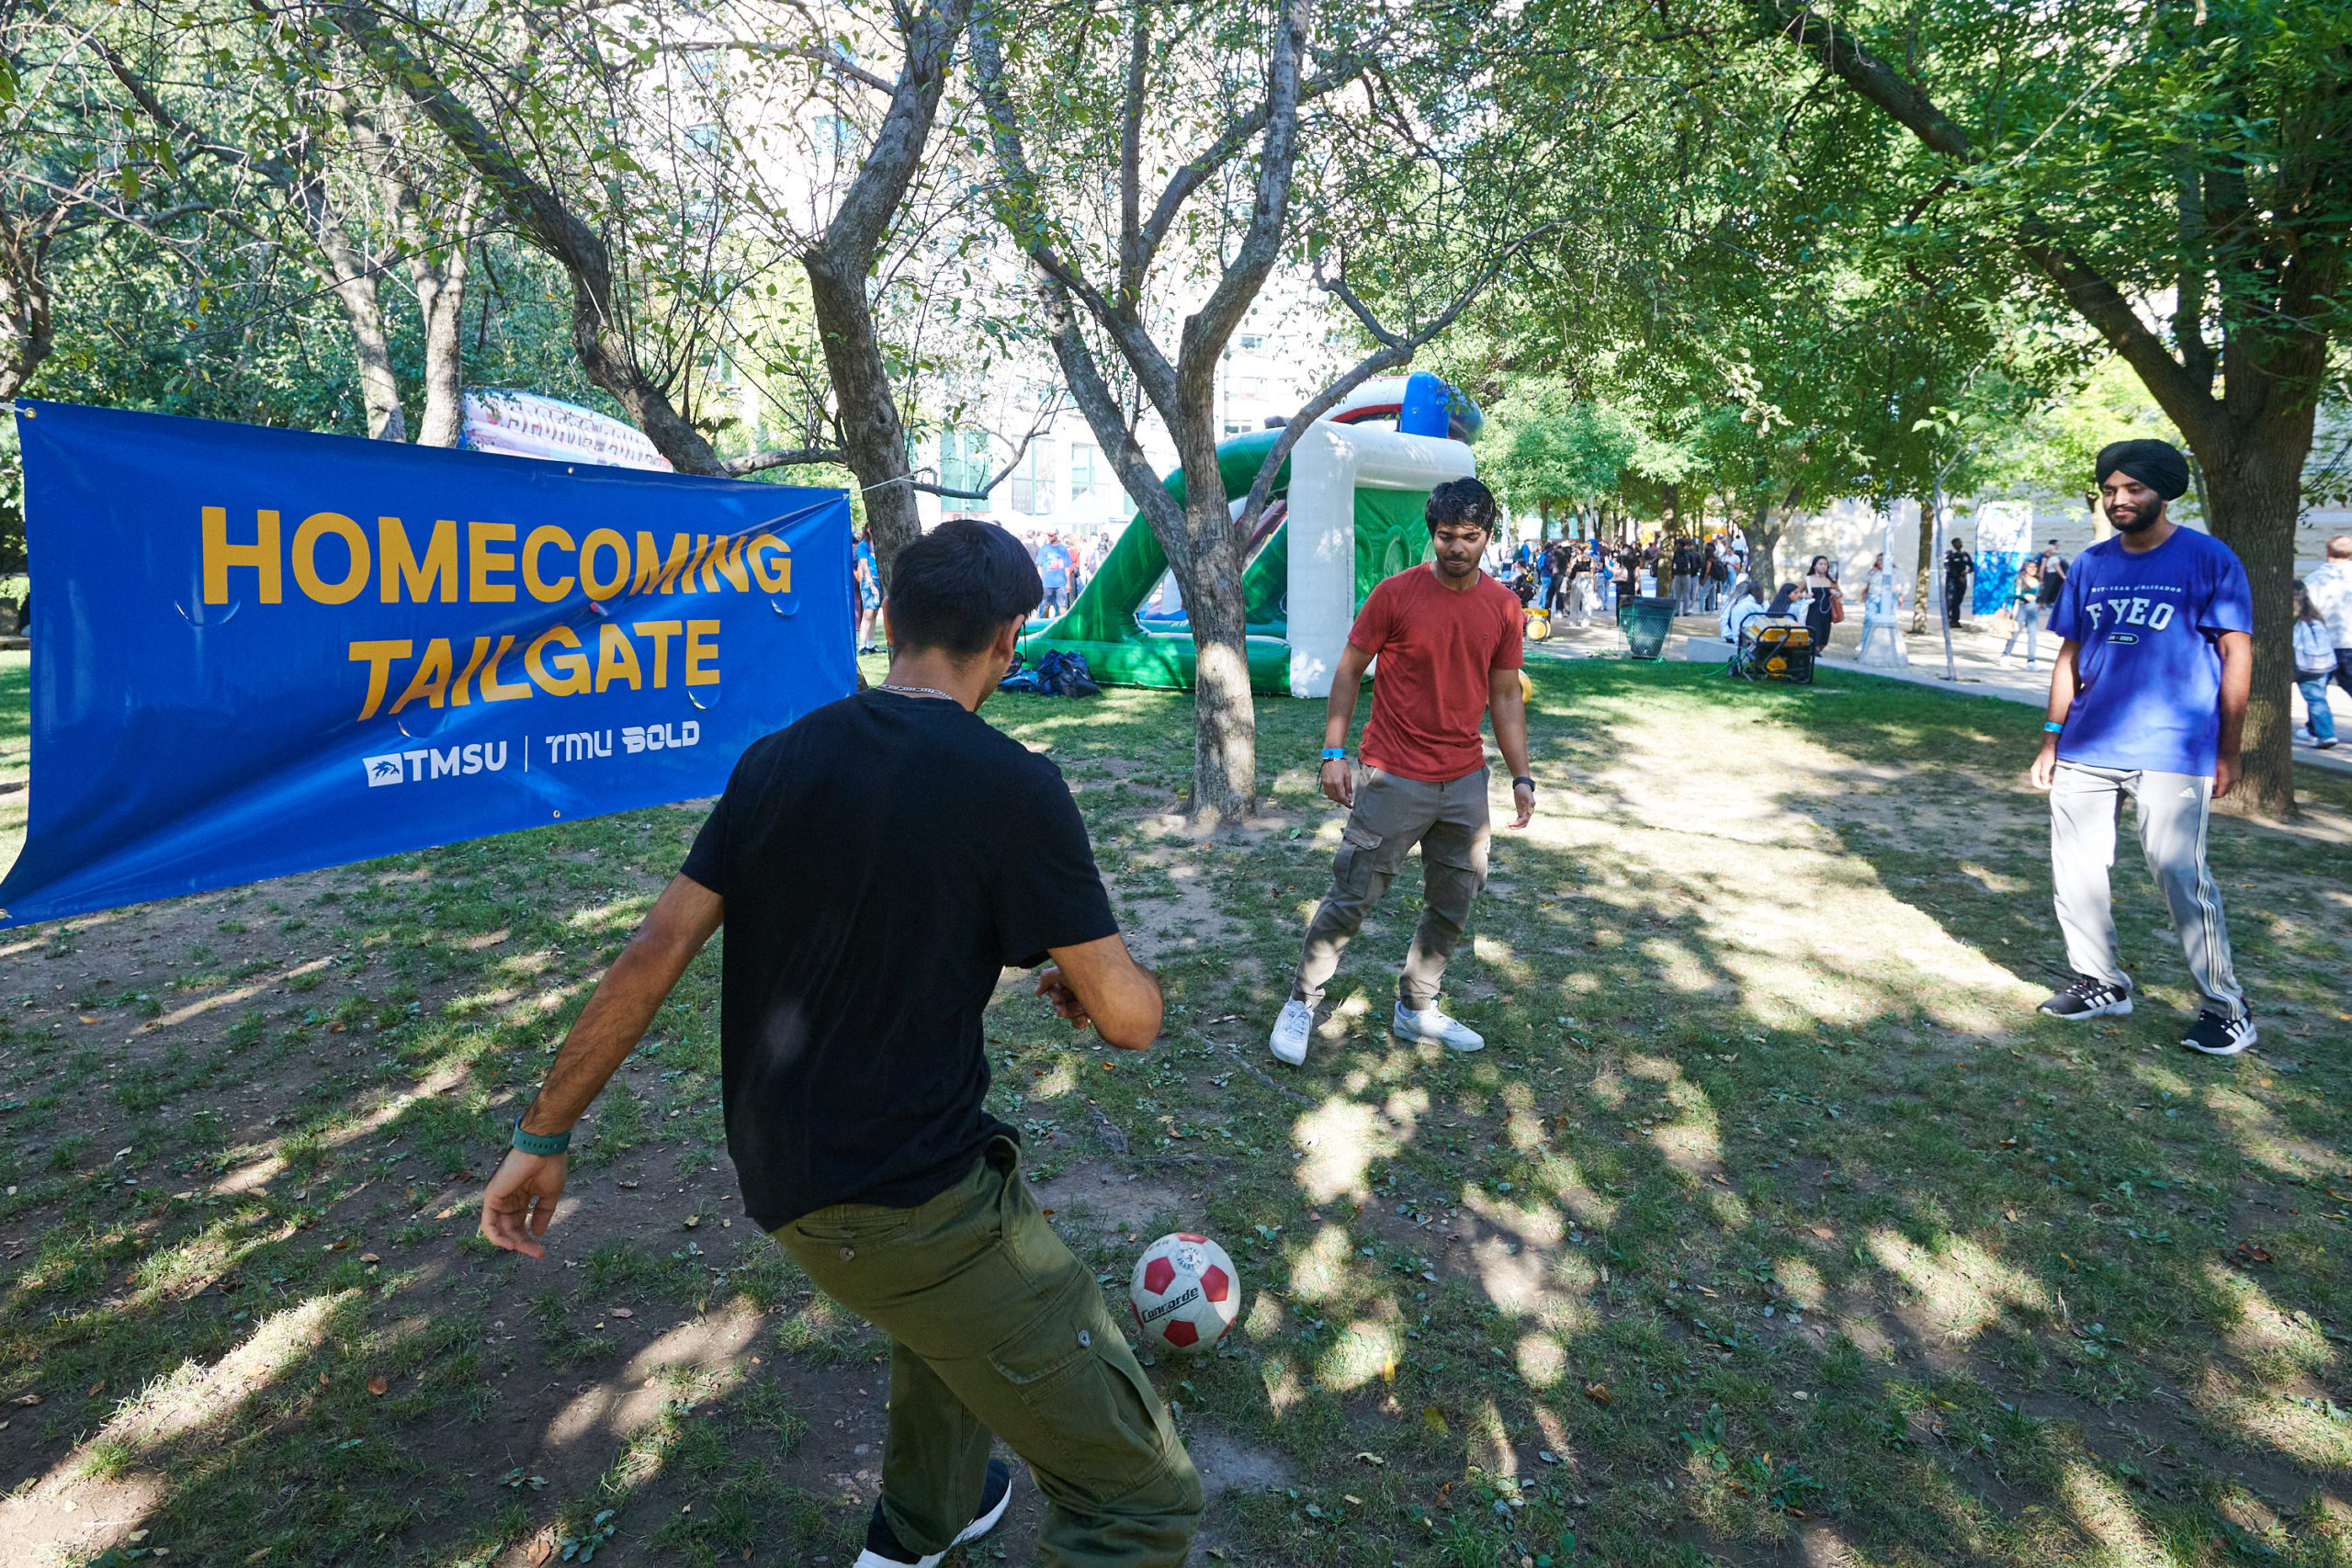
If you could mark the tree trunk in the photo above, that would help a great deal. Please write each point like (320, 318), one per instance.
(1225, 714)
(441, 300)
(1924, 578)
(2255, 492)
(600, 335)
(437, 259)
(26, 331)
(347, 273)
(872, 433)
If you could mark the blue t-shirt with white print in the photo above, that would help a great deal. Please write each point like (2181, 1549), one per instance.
(2150, 670)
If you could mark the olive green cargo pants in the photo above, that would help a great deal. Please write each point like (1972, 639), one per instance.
(996, 1327)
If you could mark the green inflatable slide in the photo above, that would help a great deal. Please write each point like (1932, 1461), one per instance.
(1358, 491)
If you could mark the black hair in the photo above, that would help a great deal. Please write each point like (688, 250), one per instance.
(956, 587)
(1461, 501)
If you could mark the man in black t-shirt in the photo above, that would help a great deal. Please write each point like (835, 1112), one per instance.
(878, 866)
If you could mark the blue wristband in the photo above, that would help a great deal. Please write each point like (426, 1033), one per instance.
(540, 1144)
(2052, 726)
(1335, 753)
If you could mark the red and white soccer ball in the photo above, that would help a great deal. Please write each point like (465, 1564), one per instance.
(1186, 1293)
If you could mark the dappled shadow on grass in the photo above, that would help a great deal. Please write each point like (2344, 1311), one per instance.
(1756, 1125)
(1661, 1206)
(262, 1332)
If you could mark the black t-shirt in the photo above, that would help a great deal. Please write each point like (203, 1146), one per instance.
(883, 861)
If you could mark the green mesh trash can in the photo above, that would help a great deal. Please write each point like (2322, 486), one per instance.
(1646, 625)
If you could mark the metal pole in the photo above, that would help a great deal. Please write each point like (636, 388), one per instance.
(1936, 580)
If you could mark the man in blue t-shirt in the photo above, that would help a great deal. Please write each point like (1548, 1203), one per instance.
(1052, 567)
(2147, 699)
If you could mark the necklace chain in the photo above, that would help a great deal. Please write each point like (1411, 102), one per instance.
(916, 691)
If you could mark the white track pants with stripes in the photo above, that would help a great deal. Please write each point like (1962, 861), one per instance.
(2174, 810)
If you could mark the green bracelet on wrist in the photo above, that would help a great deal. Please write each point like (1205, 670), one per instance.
(540, 1144)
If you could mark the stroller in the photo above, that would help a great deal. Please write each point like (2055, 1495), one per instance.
(1774, 648)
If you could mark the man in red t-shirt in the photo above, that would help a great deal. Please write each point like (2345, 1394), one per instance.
(1447, 637)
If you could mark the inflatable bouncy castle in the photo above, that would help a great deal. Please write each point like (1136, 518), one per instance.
(1346, 511)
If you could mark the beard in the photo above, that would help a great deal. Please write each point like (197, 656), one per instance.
(2132, 519)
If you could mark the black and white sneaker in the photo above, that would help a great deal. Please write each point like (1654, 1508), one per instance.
(2088, 998)
(2218, 1035)
(882, 1548)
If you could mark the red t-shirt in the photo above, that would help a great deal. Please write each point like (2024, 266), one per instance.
(1436, 649)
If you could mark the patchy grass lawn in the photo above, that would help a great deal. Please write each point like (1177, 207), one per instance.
(1773, 1227)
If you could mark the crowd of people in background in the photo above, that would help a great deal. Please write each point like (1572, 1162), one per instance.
(1580, 578)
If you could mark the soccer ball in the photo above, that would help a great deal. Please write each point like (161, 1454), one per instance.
(1186, 1293)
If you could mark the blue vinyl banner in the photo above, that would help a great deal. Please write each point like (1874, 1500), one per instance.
(261, 651)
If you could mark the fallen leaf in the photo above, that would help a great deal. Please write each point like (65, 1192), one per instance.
(1824, 1232)
(27, 1399)
(2255, 1253)
(1047, 1212)
(1433, 1419)
(1372, 1458)
(692, 1220)
(624, 1312)
(322, 1379)
(1596, 1392)
(628, 1186)
(89, 1018)
(376, 1384)
(2010, 1215)
(446, 1213)
(370, 1257)
(1106, 1066)
(94, 1388)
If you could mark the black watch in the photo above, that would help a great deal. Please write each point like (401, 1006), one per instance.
(1523, 779)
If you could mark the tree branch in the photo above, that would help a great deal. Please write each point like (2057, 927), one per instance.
(2191, 406)
(1224, 150)
(760, 462)
(827, 55)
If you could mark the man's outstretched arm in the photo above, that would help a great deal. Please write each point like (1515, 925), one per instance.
(521, 1198)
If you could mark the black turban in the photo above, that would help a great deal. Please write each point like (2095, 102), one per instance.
(2156, 464)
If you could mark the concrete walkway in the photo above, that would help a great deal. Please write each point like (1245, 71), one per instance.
(1976, 661)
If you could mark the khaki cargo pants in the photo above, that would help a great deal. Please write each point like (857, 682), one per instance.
(996, 1327)
(1391, 814)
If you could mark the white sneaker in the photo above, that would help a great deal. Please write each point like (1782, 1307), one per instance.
(1433, 1026)
(1291, 1032)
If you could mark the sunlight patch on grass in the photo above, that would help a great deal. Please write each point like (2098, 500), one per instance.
(2105, 1514)
(203, 1004)
(1962, 1289)
(621, 914)
(1341, 1138)
(713, 1354)
(1540, 1360)
(2262, 1140)
(1318, 1271)
(192, 1396)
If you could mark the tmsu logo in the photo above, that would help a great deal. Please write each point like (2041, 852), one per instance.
(414, 767)
(635, 737)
